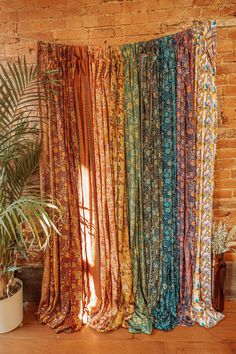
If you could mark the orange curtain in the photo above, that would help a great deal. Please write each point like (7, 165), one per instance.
(107, 85)
(62, 288)
(86, 185)
(87, 275)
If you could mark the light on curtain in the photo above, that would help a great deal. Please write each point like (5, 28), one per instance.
(128, 147)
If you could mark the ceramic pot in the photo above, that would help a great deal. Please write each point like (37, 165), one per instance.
(11, 310)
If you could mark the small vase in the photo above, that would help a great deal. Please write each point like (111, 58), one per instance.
(218, 282)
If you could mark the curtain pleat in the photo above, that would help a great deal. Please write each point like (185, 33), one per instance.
(62, 288)
(128, 148)
(87, 185)
(186, 170)
(206, 120)
(106, 72)
(152, 172)
(140, 322)
(165, 311)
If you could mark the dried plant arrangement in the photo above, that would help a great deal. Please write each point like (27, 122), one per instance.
(223, 239)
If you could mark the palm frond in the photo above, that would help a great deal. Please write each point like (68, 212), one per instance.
(20, 93)
(22, 175)
(33, 213)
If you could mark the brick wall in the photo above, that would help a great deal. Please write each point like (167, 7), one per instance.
(95, 22)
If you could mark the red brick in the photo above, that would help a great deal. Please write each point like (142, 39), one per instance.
(225, 46)
(230, 90)
(74, 22)
(227, 115)
(101, 33)
(225, 204)
(226, 68)
(226, 154)
(8, 16)
(183, 3)
(209, 12)
(71, 34)
(229, 10)
(38, 36)
(204, 2)
(232, 34)
(45, 25)
(222, 79)
(220, 213)
(30, 14)
(227, 164)
(139, 17)
(232, 79)
(50, 3)
(7, 5)
(222, 34)
(221, 194)
(98, 21)
(226, 144)
(229, 57)
(157, 16)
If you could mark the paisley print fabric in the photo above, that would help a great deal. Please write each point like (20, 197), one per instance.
(106, 75)
(62, 288)
(186, 170)
(165, 312)
(206, 118)
(86, 185)
(152, 174)
(128, 148)
(140, 322)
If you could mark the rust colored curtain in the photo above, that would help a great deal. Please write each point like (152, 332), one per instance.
(86, 185)
(87, 275)
(62, 289)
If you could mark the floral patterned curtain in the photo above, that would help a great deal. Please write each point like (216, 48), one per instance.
(62, 288)
(128, 147)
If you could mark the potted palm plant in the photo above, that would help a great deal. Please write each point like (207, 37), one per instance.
(24, 212)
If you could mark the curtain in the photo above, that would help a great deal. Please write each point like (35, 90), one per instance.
(186, 170)
(106, 74)
(86, 185)
(128, 148)
(206, 118)
(152, 173)
(140, 321)
(165, 312)
(62, 287)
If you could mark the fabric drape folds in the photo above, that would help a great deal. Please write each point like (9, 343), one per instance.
(152, 174)
(165, 312)
(106, 79)
(62, 288)
(140, 321)
(86, 185)
(128, 148)
(186, 170)
(206, 120)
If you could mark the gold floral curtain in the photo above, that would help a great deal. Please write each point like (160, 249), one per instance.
(87, 274)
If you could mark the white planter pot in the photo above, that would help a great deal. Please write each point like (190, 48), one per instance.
(11, 311)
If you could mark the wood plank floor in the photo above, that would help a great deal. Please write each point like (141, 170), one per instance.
(33, 338)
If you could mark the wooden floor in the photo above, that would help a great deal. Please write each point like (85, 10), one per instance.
(33, 338)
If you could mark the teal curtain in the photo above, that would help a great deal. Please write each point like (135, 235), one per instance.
(152, 173)
(165, 311)
(140, 322)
